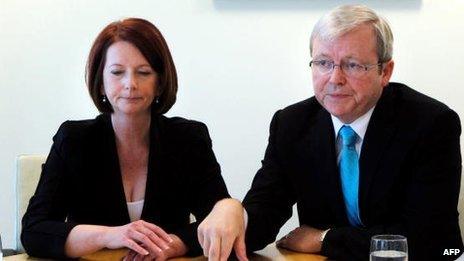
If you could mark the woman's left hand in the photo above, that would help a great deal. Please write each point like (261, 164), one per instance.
(176, 248)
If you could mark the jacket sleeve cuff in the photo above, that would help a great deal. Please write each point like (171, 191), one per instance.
(188, 235)
(50, 245)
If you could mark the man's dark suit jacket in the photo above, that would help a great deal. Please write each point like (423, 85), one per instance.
(81, 182)
(410, 170)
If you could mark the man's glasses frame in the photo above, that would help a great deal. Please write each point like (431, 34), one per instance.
(349, 68)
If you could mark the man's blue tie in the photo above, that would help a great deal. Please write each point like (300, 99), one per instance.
(349, 173)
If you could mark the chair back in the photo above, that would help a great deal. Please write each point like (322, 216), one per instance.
(28, 169)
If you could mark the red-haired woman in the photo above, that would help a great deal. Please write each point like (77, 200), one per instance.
(130, 177)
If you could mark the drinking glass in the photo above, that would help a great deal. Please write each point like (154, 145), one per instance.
(389, 248)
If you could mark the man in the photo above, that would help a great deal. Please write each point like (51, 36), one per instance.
(362, 157)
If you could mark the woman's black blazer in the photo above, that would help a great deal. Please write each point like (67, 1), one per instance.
(81, 183)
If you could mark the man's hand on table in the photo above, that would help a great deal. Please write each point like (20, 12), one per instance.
(222, 230)
(302, 239)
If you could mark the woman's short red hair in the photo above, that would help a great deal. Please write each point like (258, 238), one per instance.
(151, 43)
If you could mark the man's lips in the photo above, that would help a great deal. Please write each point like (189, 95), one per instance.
(338, 95)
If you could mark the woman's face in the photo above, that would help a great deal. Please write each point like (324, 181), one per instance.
(129, 82)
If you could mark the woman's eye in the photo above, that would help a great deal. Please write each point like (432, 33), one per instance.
(144, 72)
(117, 72)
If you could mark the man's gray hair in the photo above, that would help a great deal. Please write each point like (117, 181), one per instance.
(345, 18)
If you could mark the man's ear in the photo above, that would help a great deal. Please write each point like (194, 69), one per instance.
(387, 71)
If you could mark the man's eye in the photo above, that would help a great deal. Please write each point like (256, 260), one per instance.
(354, 66)
(325, 63)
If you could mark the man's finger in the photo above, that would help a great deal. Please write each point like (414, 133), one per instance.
(240, 248)
(226, 247)
(201, 237)
(214, 249)
(206, 245)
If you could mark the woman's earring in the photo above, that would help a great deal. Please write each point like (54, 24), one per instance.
(104, 99)
(157, 100)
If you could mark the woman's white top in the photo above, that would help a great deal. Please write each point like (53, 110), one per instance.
(135, 209)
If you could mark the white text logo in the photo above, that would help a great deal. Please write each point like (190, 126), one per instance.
(451, 251)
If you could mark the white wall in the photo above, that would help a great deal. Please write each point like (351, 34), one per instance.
(238, 62)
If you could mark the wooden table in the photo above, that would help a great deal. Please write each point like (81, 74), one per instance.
(270, 253)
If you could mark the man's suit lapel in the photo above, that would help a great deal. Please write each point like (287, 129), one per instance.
(380, 130)
(323, 149)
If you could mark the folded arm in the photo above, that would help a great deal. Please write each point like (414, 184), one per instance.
(428, 216)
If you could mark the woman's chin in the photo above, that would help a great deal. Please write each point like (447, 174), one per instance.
(133, 111)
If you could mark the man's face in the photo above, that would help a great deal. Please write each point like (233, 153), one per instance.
(344, 96)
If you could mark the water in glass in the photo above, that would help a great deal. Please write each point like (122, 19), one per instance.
(388, 255)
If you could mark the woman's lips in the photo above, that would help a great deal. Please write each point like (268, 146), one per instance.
(131, 99)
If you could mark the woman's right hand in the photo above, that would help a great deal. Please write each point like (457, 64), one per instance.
(177, 248)
(140, 236)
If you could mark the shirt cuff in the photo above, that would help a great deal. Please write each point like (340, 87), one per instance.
(245, 218)
(322, 237)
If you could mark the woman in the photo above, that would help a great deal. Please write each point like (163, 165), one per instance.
(131, 177)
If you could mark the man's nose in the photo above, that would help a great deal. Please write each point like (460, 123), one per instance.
(337, 75)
